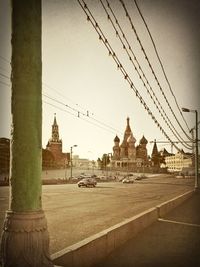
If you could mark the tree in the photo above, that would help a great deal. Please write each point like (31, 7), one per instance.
(105, 160)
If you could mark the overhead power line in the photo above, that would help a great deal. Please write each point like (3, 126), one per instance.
(5, 60)
(4, 70)
(79, 114)
(112, 53)
(75, 115)
(79, 107)
(63, 96)
(161, 64)
(147, 59)
(5, 76)
(5, 83)
(138, 69)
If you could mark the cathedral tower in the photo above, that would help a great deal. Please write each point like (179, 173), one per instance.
(116, 148)
(155, 156)
(124, 145)
(131, 147)
(141, 150)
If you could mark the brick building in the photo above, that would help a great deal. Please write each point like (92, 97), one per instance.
(4, 158)
(54, 146)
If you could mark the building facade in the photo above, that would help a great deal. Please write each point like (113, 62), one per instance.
(54, 146)
(179, 161)
(127, 154)
(4, 158)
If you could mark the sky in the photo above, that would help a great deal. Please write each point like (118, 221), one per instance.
(80, 78)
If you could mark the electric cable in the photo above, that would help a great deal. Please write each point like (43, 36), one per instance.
(102, 37)
(146, 57)
(97, 125)
(161, 64)
(78, 113)
(151, 91)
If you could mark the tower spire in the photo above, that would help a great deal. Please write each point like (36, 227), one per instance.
(54, 122)
(55, 131)
(128, 119)
(127, 130)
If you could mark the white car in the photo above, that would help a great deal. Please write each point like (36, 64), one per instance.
(127, 181)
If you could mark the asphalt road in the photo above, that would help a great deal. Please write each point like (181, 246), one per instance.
(75, 213)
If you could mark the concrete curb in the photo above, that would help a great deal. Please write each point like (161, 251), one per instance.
(167, 206)
(93, 249)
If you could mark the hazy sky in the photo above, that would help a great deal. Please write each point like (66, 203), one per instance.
(78, 72)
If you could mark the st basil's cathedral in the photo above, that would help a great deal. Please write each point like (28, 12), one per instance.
(127, 154)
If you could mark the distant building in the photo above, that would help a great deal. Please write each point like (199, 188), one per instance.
(163, 154)
(54, 145)
(158, 159)
(4, 157)
(128, 155)
(84, 163)
(155, 156)
(80, 163)
(179, 161)
(48, 160)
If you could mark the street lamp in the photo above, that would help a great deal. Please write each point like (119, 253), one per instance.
(196, 145)
(71, 163)
(65, 168)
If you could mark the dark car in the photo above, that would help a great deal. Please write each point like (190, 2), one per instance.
(87, 182)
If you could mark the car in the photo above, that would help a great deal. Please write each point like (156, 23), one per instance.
(84, 176)
(127, 181)
(130, 175)
(140, 177)
(87, 182)
(102, 178)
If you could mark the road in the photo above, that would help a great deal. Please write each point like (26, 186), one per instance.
(75, 213)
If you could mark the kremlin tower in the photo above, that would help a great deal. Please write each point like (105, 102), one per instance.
(54, 145)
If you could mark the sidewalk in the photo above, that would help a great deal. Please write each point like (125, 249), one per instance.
(173, 241)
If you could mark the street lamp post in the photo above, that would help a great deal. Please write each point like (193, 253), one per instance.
(196, 187)
(71, 162)
(65, 169)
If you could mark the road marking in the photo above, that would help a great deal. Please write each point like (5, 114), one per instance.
(183, 223)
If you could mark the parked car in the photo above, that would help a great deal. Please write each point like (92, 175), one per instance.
(83, 175)
(87, 182)
(103, 178)
(130, 175)
(127, 181)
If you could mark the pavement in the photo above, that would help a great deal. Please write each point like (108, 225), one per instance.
(172, 241)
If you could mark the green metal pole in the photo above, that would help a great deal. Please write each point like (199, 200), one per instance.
(26, 106)
(25, 239)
